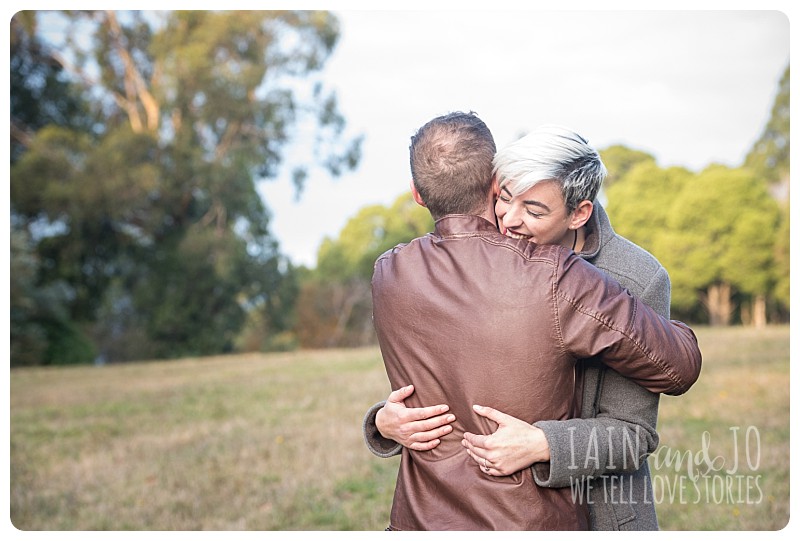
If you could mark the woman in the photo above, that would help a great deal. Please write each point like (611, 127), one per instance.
(548, 182)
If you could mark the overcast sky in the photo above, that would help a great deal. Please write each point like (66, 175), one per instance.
(690, 87)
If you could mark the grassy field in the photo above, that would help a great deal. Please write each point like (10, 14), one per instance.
(273, 442)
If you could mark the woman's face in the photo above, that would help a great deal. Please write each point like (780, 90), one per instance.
(538, 214)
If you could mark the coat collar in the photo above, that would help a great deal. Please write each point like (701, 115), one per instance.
(598, 232)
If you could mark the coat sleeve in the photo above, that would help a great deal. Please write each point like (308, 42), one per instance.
(376, 443)
(597, 316)
(618, 440)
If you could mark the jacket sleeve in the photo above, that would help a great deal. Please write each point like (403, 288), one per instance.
(597, 316)
(376, 443)
(621, 433)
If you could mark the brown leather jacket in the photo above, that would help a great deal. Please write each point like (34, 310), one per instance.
(473, 317)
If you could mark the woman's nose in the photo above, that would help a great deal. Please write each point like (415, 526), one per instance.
(511, 217)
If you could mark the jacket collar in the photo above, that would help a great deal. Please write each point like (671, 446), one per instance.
(454, 225)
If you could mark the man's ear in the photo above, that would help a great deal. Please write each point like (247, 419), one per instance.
(495, 187)
(581, 214)
(417, 196)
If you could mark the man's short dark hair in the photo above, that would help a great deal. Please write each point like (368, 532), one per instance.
(451, 164)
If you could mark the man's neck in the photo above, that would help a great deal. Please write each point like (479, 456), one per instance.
(489, 214)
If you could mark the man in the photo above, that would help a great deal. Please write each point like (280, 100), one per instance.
(556, 176)
(474, 317)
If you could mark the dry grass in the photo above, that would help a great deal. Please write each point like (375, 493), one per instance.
(744, 384)
(273, 442)
(228, 443)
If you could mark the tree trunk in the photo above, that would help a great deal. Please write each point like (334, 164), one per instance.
(745, 314)
(760, 312)
(718, 303)
(346, 297)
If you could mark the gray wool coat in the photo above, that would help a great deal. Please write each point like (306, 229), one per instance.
(603, 454)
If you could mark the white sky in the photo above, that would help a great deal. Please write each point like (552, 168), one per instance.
(689, 87)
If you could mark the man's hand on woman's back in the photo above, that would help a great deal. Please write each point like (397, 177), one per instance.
(418, 429)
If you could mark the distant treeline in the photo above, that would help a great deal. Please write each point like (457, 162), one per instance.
(138, 232)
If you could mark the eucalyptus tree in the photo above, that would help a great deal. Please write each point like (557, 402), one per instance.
(151, 214)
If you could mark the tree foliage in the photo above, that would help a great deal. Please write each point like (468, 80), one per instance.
(146, 210)
(619, 160)
(653, 190)
(769, 157)
(41, 329)
(715, 236)
(40, 90)
(365, 236)
(714, 231)
(781, 269)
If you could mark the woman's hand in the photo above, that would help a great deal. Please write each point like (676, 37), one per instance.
(416, 428)
(514, 446)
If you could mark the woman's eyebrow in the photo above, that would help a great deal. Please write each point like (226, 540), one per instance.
(537, 204)
(533, 202)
